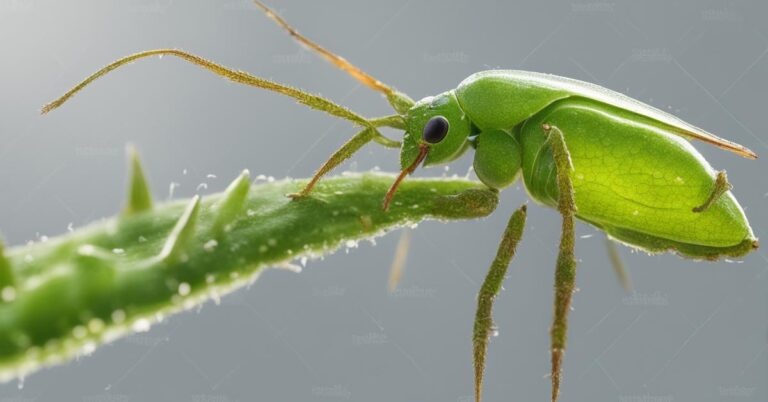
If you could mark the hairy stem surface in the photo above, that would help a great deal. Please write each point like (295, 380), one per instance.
(66, 296)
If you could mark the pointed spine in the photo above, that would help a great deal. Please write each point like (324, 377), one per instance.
(139, 196)
(181, 233)
(232, 202)
(6, 276)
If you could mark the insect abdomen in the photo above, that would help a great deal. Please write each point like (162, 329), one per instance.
(633, 179)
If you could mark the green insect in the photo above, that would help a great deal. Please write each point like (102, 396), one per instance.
(594, 154)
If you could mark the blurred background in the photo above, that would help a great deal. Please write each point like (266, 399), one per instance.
(690, 331)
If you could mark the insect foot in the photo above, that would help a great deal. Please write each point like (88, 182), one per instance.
(473, 203)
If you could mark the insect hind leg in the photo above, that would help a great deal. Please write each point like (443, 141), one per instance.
(565, 271)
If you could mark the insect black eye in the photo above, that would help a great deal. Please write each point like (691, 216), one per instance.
(435, 130)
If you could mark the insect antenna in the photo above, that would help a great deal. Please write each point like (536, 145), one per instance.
(241, 77)
(399, 101)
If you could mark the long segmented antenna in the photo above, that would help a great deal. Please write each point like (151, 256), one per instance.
(335, 59)
(313, 101)
(399, 101)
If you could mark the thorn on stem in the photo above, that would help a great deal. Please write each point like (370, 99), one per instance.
(182, 232)
(139, 197)
(232, 202)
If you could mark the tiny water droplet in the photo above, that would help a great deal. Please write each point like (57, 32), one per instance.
(88, 348)
(141, 325)
(210, 245)
(184, 289)
(215, 296)
(8, 294)
(118, 316)
(95, 325)
(289, 267)
(79, 332)
(172, 188)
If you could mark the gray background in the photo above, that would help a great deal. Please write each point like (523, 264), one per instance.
(692, 332)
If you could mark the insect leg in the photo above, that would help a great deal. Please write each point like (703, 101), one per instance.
(721, 187)
(618, 266)
(343, 153)
(354, 144)
(398, 262)
(483, 327)
(565, 271)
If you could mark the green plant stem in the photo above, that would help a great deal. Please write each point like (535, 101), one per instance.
(74, 292)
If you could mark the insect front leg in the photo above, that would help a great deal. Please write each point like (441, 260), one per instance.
(354, 144)
(483, 327)
(565, 271)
